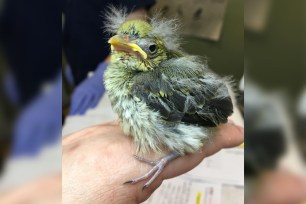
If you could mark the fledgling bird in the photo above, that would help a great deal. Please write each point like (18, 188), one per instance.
(166, 100)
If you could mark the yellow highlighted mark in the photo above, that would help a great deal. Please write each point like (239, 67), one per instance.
(198, 199)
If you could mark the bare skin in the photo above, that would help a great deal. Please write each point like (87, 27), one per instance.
(279, 187)
(98, 160)
(44, 190)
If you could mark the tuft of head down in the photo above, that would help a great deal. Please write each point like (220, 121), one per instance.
(114, 18)
(166, 29)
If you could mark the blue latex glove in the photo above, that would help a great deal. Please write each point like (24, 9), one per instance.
(89, 92)
(11, 89)
(39, 123)
(68, 75)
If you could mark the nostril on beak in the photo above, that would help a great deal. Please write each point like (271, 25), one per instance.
(125, 37)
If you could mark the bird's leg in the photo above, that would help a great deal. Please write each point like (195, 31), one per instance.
(141, 159)
(158, 167)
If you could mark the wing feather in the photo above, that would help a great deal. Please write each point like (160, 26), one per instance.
(199, 100)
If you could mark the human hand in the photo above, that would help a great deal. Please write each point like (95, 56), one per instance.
(278, 187)
(89, 92)
(98, 160)
(44, 190)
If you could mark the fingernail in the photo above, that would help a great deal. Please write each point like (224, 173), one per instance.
(130, 181)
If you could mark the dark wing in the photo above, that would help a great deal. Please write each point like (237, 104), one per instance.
(199, 101)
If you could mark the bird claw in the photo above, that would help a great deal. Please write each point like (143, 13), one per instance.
(129, 181)
(158, 167)
(144, 187)
(141, 159)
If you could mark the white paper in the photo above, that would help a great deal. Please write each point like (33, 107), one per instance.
(218, 179)
(184, 191)
(226, 167)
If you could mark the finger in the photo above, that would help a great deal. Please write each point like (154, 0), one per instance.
(228, 135)
(76, 102)
(95, 101)
(85, 105)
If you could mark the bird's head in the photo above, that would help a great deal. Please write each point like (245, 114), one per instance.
(134, 42)
(140, 44)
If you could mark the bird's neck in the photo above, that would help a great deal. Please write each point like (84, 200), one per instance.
(117, 79)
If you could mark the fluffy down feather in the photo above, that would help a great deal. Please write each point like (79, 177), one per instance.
(166, 29)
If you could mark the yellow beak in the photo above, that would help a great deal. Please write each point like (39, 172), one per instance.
(122, 43)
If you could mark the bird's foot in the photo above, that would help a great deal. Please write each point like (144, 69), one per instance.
(158, 167)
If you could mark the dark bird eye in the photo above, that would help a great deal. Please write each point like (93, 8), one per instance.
(152, 48)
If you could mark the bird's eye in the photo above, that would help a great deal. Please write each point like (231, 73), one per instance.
(152, 48)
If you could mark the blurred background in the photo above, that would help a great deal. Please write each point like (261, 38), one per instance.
(30, 99)
(53, 55)
(274, 102)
